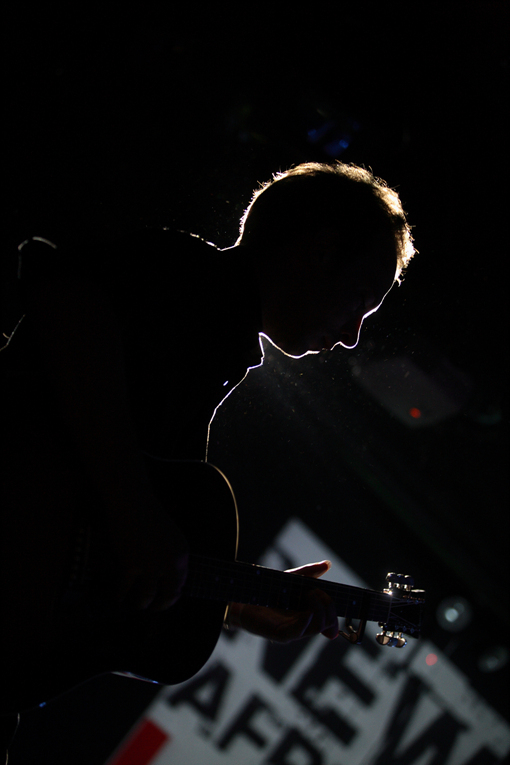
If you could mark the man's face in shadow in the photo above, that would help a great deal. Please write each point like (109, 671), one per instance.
(325, 298)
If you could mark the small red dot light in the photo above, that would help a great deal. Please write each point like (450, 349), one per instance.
(431, 660)
(414, 412)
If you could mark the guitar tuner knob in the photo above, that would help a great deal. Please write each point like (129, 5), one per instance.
(391, 639)
(400, 581)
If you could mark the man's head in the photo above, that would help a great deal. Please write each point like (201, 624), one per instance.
(330, 241)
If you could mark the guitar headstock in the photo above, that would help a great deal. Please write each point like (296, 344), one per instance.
(405, 615)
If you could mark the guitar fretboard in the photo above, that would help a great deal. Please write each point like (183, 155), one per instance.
(234, 581)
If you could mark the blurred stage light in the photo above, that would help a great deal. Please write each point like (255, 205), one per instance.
(338, 146)
(412, 395)
(332, 133)
(454, 614)
(316, 134)
(493, 658)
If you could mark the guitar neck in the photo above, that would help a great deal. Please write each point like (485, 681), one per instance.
(233, 581)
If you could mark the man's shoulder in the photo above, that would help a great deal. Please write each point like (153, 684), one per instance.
(159, 238)
(156, 254)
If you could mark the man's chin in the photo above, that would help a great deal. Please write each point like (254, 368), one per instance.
(306, 346)
(324, 343)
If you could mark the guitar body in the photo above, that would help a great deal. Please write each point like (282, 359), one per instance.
(57, 638)
(65, 644)
(175, 644)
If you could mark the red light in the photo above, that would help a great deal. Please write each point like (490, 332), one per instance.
(431, 660)
(414, 412)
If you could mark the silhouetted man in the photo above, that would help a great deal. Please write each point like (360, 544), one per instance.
(131, 353)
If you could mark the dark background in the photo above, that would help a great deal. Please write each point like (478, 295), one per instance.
(174, 123)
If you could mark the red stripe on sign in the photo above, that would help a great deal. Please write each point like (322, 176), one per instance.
(143, 744)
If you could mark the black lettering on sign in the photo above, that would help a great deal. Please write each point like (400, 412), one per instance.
(439, 737)
(278, 659)
(295, 743)
(328, 665)
(243, 724)
(483, 757)
(204, 692)
(370, 647)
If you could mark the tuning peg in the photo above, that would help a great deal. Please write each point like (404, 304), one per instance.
(391, 639)
(399, 582)
(352, 635)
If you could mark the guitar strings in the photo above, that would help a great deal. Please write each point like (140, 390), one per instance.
(233, 580)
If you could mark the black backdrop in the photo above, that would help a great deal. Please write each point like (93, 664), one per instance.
(111, 128)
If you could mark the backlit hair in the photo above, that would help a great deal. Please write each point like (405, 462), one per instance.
(299, 202)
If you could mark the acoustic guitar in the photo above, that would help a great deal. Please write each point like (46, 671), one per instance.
(170, 647)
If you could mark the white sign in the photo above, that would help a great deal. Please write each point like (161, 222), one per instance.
(319, 702)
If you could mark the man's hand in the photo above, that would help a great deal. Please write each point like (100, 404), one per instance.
(284, 626)
(151, 557)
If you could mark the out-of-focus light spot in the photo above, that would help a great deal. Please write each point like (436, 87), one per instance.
(414, 412)
(490, 415)
(335, 148)
(333, 134)
(454, 614)
(493, 658)
(317, 134)
(431, 660)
